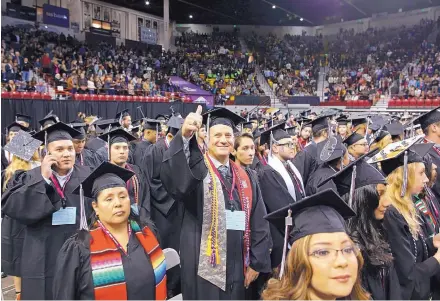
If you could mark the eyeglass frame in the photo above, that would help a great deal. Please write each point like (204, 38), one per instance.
(355, 249)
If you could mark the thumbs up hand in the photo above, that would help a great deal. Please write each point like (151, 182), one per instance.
(192, 123)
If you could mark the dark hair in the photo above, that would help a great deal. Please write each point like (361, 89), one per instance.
(240, 137)
(320, 133)
(368, 232)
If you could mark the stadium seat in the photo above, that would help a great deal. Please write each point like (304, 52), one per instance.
(6, 94)
(94, 97)
(420, 103)
(35, 95)
(25, 95)
(427, 103)
(435, 102)
(412, 102)
(15, 95)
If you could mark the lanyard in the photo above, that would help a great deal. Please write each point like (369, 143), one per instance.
(59, 189)
(135, 183)
(81, 160)
(230, 192)
(295, 178)
(106, 231)
(166, 143)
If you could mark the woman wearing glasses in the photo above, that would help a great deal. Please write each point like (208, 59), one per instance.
(323, 262)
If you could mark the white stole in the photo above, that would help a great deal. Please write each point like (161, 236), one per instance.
(276, 164)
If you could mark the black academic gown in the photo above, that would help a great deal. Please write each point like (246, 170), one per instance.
(32, 203)
(184, 181)
(73, 274)
(144, 203)
(4, 161)
(257, 165)
(275, 196)
(95, 143)
(415, 268)
(89, 158)
(322, 173)
(12, 236)
(305, 161)
(139, 154)
(381, 282)
(436, 160)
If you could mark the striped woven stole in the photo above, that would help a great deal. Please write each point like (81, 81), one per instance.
(108, 271)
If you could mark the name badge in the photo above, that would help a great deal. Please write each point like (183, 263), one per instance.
(235, 220)
(64, 216)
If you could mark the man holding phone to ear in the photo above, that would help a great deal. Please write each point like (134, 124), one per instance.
(43, 201)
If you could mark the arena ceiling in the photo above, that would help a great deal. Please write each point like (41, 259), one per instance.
(261, 12)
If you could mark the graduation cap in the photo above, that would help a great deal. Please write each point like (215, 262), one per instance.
(160, 117)
(23, 145)
(358, 120)
(330, 149)
(16, 127)
(379, 135)
(399, 154)
(323, 212)
(57, 132)
(274, 134)
(106, 176)
(253, 117)
(105, 124)
(151, 124)
(49, 119)
(120, 115)
(355, 175)
(80, 127)
(291, 130)
(137, 123)
(352, 139)
(306, 113)
(342, 121)
(221, 116)
(247, 125)
(174, 124)
(302, 119)
(319, 124)
(428, 118)
(117, 135)
(394, 128)
(23, 118)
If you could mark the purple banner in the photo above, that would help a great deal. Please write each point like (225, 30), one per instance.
(194, 92)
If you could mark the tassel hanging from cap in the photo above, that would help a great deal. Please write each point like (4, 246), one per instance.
(45, 141)
(288, 223)
(108, 143)
(208, 121)
(271, 143)
(352, 187)
(157, 131)
(405, 175)
(83, 219)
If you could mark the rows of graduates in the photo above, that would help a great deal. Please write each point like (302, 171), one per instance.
(331, 206)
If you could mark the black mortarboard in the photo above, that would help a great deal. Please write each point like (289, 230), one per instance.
(352, 139)
(151, 124)
(23, 145)
(394, 128)
(291, 130)
(103, 124)
(253, 117)
(174, 124)
(116, 136)
(22, 117)
(319, 124)
(355, 175)
(122, 114)
(306, 113)
(221, 116)
(58, 131)
(380, 135)
(302, 119)
(16, 127)
(136, 123)
(355, 121)
(160, 117)
(256, 134)
(342, 121)
(106, 175)
(323, 212)
(247, 125)
(428, 118)
(277, 132)
(49, 119)
(330, 149)
(81, 128)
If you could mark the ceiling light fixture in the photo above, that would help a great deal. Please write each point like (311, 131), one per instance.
(301, 19)
(147, 2)
(190, 16)
(273, 6)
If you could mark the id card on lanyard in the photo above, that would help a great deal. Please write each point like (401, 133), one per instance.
(66, 215)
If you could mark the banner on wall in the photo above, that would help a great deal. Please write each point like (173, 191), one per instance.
(55, 15)
(148, 35)
(116, 23)
(21, 12)
(194, 92)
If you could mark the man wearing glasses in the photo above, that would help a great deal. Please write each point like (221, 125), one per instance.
(280, 181)
(356, 145)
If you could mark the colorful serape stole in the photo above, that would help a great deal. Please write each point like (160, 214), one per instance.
(108, 271)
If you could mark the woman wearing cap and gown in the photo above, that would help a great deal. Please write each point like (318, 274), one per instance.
(367, 199)
(120, 257)
(332, 156)
(210, 273)
(323, 262)
(37, 202)
(415, 258)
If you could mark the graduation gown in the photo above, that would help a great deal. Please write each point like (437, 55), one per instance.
(383, 283)
(275, 196)
(143, 193)
(139, 154)
(32, 203)
(257, 165)
(4, 161)
(436, 160)
(95, 143)
(73, 273)
(184, 181)
(89, 158)
(305, 161)
(12, 236)
(322, 173)
(414, 266)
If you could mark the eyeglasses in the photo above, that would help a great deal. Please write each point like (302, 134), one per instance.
(329, 254)
(289, 145)
(361, 144)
